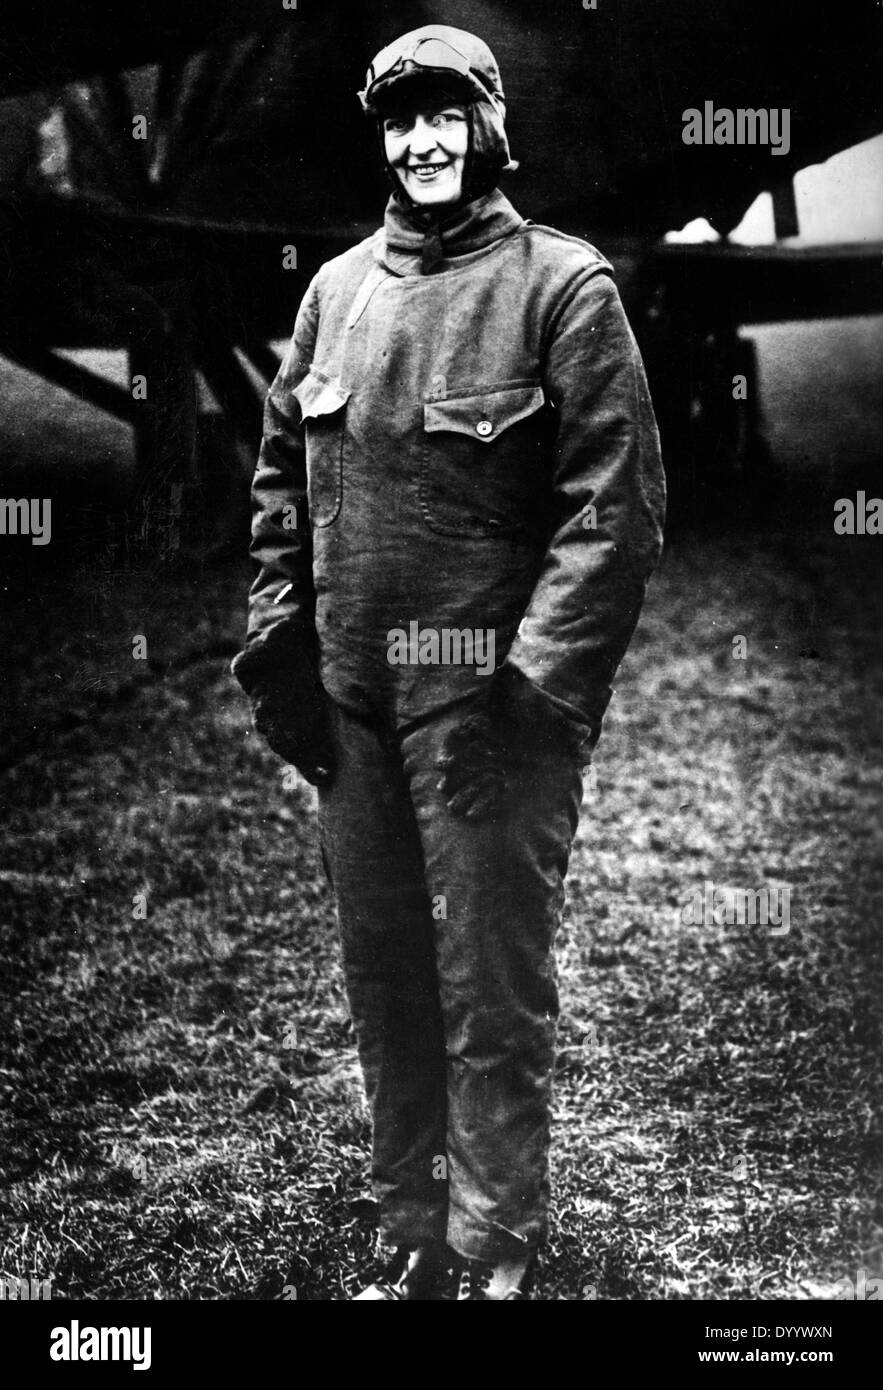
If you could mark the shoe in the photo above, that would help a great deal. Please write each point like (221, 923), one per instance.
(409, 1276)
(503, 1283)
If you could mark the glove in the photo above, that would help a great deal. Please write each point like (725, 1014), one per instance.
(280, 675)
(515, 723)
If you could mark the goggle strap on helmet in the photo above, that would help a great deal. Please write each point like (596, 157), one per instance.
(426, 53)
(429, 54)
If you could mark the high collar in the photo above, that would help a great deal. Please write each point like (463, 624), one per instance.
(417, 242)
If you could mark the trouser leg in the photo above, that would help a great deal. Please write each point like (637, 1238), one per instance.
(503, 887)
(372, 850)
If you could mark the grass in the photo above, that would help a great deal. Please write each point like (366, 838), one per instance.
(181, 1109)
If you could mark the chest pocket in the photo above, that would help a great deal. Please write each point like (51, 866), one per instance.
(483, 456)
(323, 410)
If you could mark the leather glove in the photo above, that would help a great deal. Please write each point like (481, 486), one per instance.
(513, 724)
(280, 675)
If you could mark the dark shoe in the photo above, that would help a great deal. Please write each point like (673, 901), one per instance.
(487, 1283)
(409, 1276)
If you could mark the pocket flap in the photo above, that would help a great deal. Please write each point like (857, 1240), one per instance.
(483, 417)
(317, 396)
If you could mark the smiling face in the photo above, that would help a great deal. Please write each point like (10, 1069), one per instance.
(426, 146)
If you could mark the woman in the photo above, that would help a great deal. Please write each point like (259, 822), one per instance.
(459, 457)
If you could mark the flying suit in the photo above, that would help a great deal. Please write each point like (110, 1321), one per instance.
(460, 435)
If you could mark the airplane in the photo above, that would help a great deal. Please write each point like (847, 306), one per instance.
(190, 248)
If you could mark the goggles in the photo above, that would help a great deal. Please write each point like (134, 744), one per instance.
(426, 53)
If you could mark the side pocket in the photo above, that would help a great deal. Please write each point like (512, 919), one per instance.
(323, 411)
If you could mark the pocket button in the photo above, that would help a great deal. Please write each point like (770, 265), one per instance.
(484, 428)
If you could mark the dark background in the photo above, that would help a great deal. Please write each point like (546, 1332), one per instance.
(181, 1108)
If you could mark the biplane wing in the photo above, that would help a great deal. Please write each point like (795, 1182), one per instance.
(172, 246)
(596, 96)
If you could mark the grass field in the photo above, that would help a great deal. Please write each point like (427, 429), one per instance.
(179, 1095)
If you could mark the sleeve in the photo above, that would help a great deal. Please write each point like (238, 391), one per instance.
(609, 505)
(281, 541)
